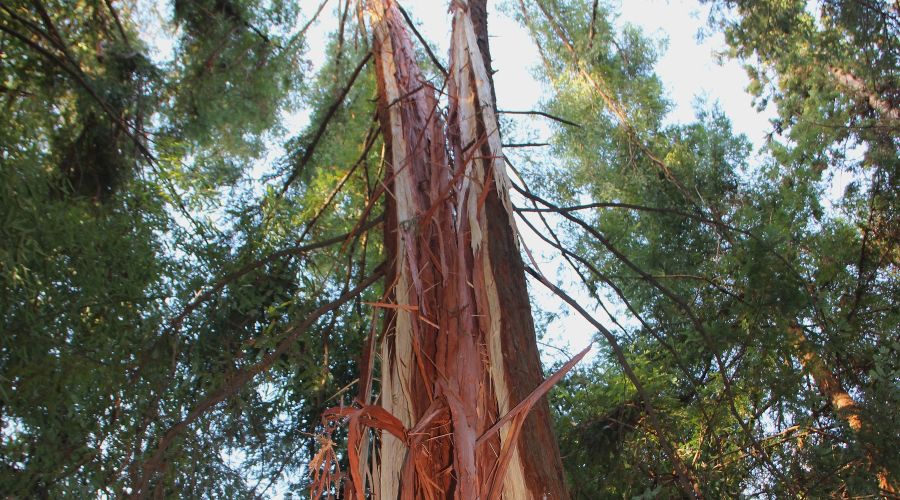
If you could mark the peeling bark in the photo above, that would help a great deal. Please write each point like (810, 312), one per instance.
(458, 352)
(539, 451)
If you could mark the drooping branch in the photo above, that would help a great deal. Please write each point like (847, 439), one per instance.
(66, 62)
(572, 257)
(720, 224)
(175, 323)
(63, 58)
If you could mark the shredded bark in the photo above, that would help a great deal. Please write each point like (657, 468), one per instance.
(452, 404)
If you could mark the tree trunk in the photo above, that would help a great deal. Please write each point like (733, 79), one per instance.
(843, 404)
(459, 350)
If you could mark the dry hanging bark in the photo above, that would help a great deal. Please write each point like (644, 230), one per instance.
(460, 374)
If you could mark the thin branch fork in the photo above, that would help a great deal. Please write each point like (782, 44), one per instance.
(370, 140)
(70, 65)
(569, 256)
(526, 144)
(566, 212)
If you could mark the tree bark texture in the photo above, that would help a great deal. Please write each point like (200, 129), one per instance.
(459, 351)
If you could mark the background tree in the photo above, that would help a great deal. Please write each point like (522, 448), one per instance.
(735, 274)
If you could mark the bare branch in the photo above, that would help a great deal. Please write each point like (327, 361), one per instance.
(540, 113)
(526, 145)
(695, 321)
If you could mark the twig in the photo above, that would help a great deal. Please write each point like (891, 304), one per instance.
(118, 22)
(526, 145)
(540, 113)
(428, 51)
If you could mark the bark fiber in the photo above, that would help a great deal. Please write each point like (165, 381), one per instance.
(458, 351)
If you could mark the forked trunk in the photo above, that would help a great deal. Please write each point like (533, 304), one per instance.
(458, 351)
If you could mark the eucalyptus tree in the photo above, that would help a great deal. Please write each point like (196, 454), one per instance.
(188, 313)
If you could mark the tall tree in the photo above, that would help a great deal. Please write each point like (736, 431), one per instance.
(719, 322)
(186, 289)
(831, 69)
(459, 352)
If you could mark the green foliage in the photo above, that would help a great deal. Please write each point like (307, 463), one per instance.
(237, 63)
(717, 257)
(126, 194)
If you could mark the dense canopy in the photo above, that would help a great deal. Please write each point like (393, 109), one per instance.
(188, 283)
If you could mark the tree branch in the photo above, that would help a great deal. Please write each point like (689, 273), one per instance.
(540, 113)
(329, 114)
(686, 479)
(855, 84)
(241, 378)
(425, 45)
(177, 321)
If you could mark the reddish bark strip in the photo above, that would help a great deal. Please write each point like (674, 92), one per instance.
(538, 449)
(459, 350)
